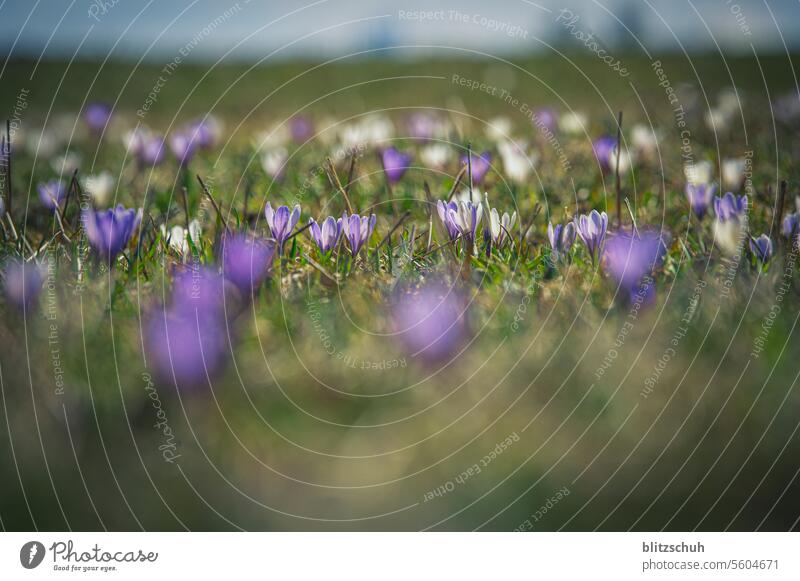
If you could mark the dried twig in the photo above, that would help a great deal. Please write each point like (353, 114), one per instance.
(395, 227)
(213, 203)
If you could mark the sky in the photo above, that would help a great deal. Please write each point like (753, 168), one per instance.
(251, 29)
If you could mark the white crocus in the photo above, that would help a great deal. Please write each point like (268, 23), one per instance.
(733, 173)
(500, 226)
(274, 162)
(573, 122)
(178, 237)
(100, 187)
(436, 155)
(499, 129)
(516, 163)
(645, 139)
(699, 173)
(66, 164)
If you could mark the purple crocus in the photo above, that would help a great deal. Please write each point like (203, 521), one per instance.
(561, 237)
(546, 118)
(395, 164)
(97, 116)
(109, 231)
(761, 248)
(422, 126)
(629, 256)
(592, 230)
(357, 230)
(186, 350)
(23, 284)
(52, 193)
(199, 289)
(327, 235)
(443, 209)
(301, 128)
(183, 147)
(480, 166)
(462, 218)
(730, 207)
(605, 149)
(246, 261)
(700, 197)
(281, 222)
(204, 132)
(432, 323)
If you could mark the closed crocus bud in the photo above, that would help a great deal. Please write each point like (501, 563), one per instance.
(561, 238)
(645, 140)
(761, 248)
(480, 166)
(246, 262)
(395, 164)
(52, 193)
(23, 284)
(499, 129)
(499, 227)
(357, 230)
(733, 173)
(604, 151)
(573, 122)
(431, 324)
(517, 164)
(592, 230)
(179, 237)
(100, 187)
(110, 231)
(789, 227)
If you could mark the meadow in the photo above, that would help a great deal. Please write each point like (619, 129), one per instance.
(388, 294)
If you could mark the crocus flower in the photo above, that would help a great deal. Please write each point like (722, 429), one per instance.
(731, 212)
(443, 209)
(395, 164)
(178, 237)
(499, 227)
(645, 139)
(23, 284)
(699, 173)
(186, 350)
(561, 237)
(281, 222)
(761, 248)
(605, 149)
(246, 261)
(183, 146)
(205, 132)
(546, 118)
(326, 236)
(628, 257)
(789, 228)
(97, 116)
(733, 173)
(357, 230)
(432, 323)
(436, 155)
(199, 290)
(274, 162)
(573, 122)
(423, 126)
(700, 197)
(146, 146)
(100, 187)
(110, 231)
(301, 128)
(52, 193)
(464, 217)
(480, 166)
(517, 164)
(592, 230)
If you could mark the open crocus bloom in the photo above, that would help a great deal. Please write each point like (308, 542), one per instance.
(357, 230)
(327, 235)
(110, 231)
(281, 222)
(461, 218)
